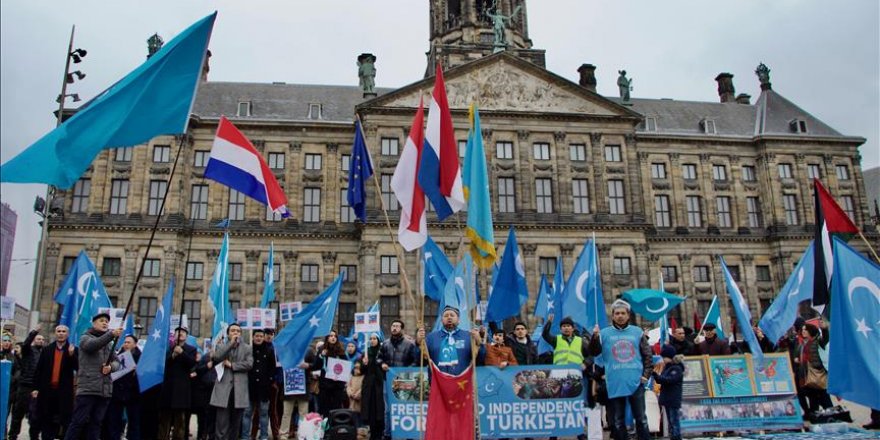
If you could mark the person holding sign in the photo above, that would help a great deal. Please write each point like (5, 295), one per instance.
(628, 365)
(331, 393)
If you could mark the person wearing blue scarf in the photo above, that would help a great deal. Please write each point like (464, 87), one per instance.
(628, 366)
(449, 347)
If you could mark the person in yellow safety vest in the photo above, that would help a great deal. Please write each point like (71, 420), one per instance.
(568, 348)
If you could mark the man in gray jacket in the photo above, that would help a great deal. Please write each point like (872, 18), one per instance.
(230, 395)
(94, 386)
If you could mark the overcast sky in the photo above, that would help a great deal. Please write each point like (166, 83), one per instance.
(824, 56)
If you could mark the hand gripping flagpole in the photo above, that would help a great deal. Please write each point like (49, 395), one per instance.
(137, 280)
(400, 259)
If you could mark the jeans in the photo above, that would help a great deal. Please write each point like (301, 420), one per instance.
(88, 414)
(114, 423)
(673, 418)
(264, 420)
(637, 404)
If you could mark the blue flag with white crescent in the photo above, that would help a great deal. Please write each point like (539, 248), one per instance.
(582, 301)
(475, 181)
(743, 315)
(128, 330)
(151, 367)
(457, 293)
(437, 269)
(780, 316)
(651, 304)
(509, 289)
(543, 307)
(218, 293)
(854, 348)
(359, 170)
(554, 306)
(152, 100)
(315, 319)
(664, 321)
(269, 279)
(713, 315)
(82, 279)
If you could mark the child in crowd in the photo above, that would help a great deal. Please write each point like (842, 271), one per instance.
(670, 375)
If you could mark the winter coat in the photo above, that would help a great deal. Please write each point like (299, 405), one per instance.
(30, 355)
(177, 385)
(126, 388)
(525, 353)
(354, 387)
(56, 402)
(496, 354)
(262, 374)
(717, 347)
(95, 348)
(685, 347)
(235, 379)
(203, 385)
(399, 352)
(670, 381)
(372, 391)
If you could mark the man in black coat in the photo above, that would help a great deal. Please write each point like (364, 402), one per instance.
(53, 377)
(176, 387)
(260, 379)
(681, 343)
(27, 368)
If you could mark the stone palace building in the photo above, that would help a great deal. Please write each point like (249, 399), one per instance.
(665, 185)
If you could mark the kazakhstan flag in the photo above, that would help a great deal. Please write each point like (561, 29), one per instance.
(476, 191)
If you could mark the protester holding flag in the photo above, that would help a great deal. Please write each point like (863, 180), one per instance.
(230, 395)
(568, 348)
(372, 391)
(176, 400)
(712, 345)
(628, 365)
(31, 349)
(94, 388)
(808, 366)
(449, 347)
(54, 384)
(126, 398)
(331, 393)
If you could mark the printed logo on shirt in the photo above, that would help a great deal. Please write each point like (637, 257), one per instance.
(623, 351)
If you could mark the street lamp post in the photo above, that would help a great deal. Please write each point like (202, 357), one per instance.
(75, 56)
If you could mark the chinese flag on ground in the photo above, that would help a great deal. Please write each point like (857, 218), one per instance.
(451, 406)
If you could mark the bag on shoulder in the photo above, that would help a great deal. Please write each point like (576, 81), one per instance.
(816, 378)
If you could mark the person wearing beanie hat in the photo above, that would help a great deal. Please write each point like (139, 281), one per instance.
(670, 375)
(712, 345)
(569, 348)
(628, 365)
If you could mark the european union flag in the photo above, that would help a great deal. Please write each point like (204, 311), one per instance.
(855, 340)
(81, 280)
(269, 279)
(457, 293)
(315, 319)
(780, 316)
(437, 269)
(151, 367)
(582, 297)
(152, 100)
(509, 290)
(359, 170)
(218, 293)
(651, 304)
(743, 315)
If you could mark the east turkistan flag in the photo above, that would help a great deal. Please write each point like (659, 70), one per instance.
(476, 191)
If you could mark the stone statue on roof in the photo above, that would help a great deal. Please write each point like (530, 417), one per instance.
(154, 43)
(367, 73)
(763, 73)
(499, 24)
(624, 85)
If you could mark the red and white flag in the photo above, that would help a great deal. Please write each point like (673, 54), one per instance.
(413, 230)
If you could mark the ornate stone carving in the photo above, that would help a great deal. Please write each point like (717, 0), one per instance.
(733, 158)
(122, 169)
(674, 156)
(332, 147)
(367, 248)
(505, 165)
(53, 249)
(259, 144)
(212, 253)
(604, 250)
(660, 184)
(643, 156)
(328, 257)
(596, 138)
(654, 258)
(389, 280)
(640, 249)
(313, 176)
(685, 258)
(748, 258)
(542, 166)
(371, 130)
(800, 157)
(295, 146)
(615, 170)
(579, 168)
(131, 251)
(160, 169)
(704, 157)
(290, 255)
(559, 136)
(567, 249)
(487, 133)
(629, 138)
(252, 255)
(450, 247)
(529, 249)
(522, 134)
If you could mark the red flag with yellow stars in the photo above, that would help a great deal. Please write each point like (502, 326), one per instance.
(451, 406)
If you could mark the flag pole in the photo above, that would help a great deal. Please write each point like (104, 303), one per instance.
(192, 231)
(140, 273)
(873, 252)
(420, 322)
(400, 259)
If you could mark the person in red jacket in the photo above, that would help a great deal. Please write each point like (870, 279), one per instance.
(497, 353)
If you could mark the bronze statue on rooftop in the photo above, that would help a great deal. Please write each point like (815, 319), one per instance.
(624, 85)
(763, 73)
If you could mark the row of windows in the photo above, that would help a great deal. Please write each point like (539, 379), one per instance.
(719, 172)
(623, 266)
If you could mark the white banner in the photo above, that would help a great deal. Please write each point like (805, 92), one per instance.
(7, 307)
(367, 322)
(338, 369)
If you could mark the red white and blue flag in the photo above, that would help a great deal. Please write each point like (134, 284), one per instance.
(439, 171)
(413, 230)
(235, 163)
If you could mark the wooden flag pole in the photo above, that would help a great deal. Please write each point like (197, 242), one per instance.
(401, 262)
(873, 252)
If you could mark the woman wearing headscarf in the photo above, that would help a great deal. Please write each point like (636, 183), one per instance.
(372, 400)
(331, 394)
(808, 357)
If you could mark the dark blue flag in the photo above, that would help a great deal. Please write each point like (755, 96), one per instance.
(360, 169)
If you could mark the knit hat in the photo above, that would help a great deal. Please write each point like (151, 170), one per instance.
(667, 351)
(566, 321)
(453, 309)
(709, 326)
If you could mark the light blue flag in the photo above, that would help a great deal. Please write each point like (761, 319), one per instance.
(456, 294)
(854, 348)
(582, 300)
(780, 316)
(154, 99)
(713, 315)
(151, 367)
(651, 304)
(128, 330)
(218, 294)
(509, 290)
(743, 315)
(475, 181)
(664, 321)
(555, 305)
(315, 319)
(269, 280)
(82, 278)
(437, 269)
(543, 307)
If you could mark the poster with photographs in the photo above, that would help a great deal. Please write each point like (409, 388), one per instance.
(696, 378)
(731, 376)
(774, 376)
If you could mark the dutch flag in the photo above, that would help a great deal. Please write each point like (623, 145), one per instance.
(439, 171)
(413, 230)
(235, 163)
